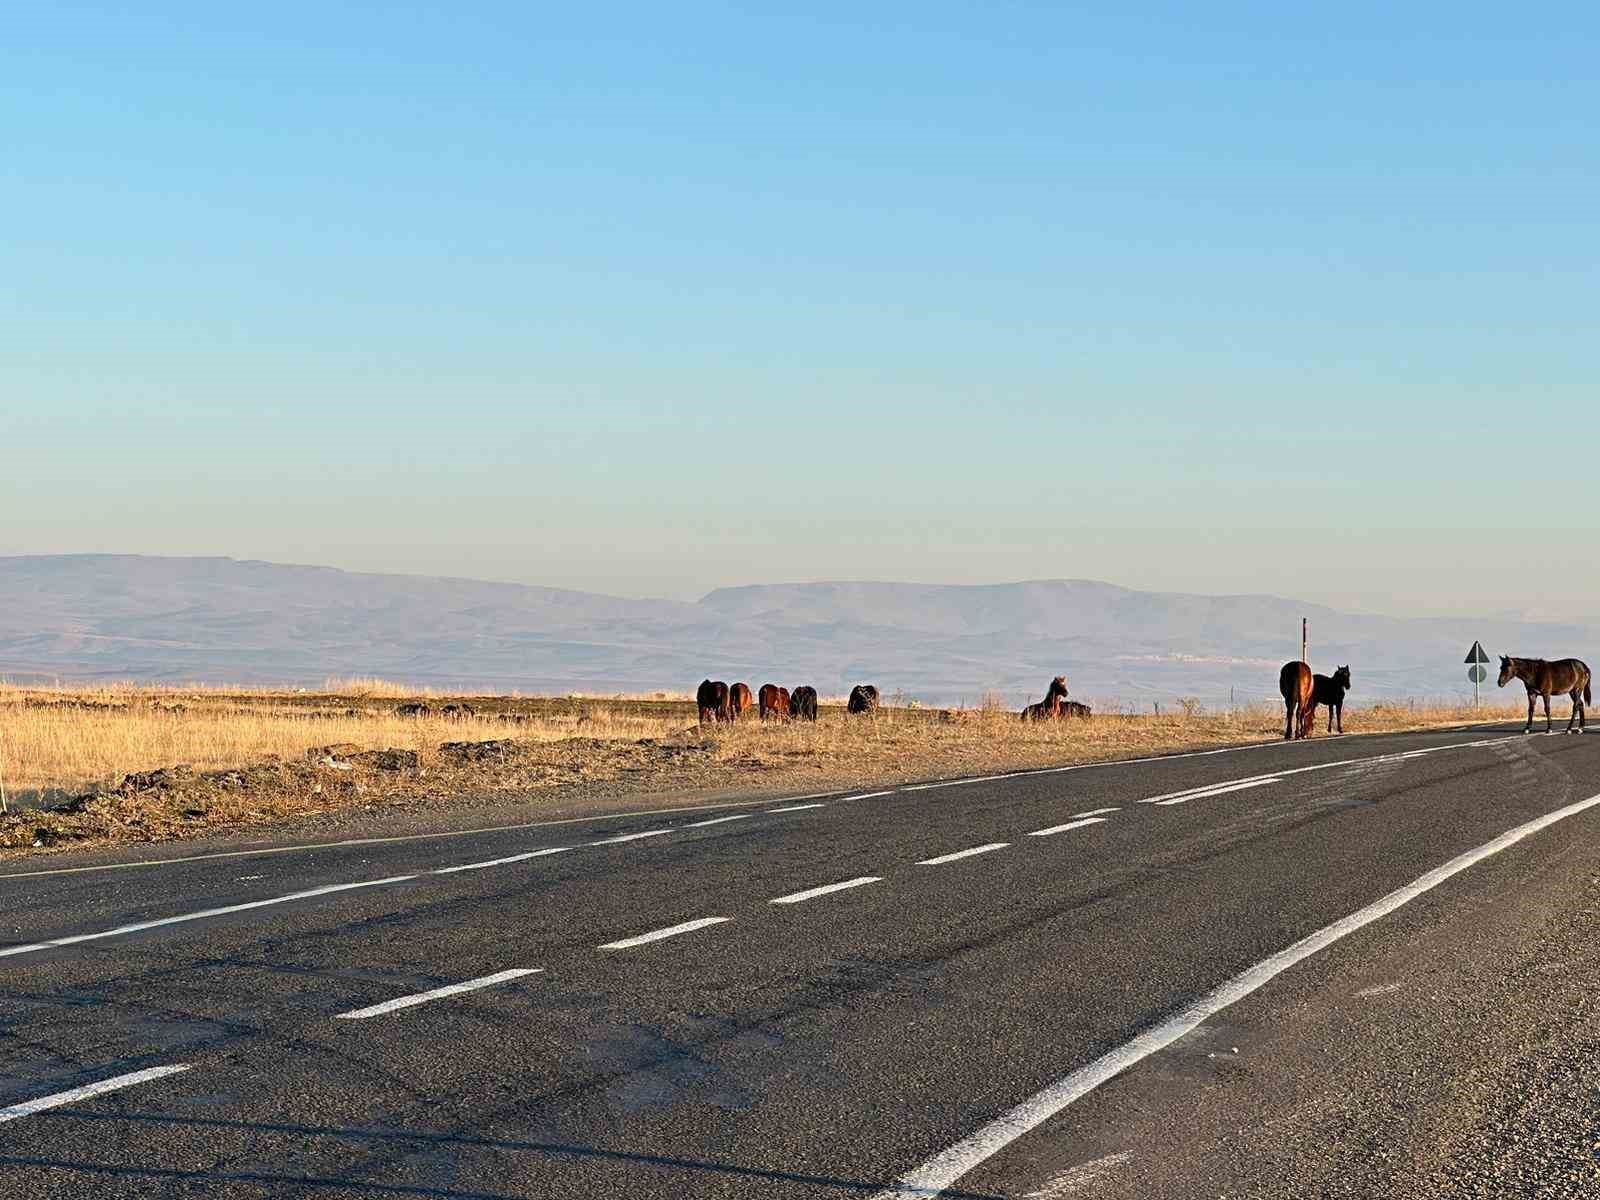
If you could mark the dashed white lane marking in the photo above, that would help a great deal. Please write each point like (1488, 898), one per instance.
(1096, 812)
(439, 993)
(717, 821)
(813, 893)
(939, 1172)
(659, 934)
(630, 837)
(1207, 788)
(796, 808)
(944, 783)
(28, 1107)
(944, 858)
(1242, 786)
(1078, 824)
(866, 795)
(500, 862)
(137, 926)
(1075, 1179)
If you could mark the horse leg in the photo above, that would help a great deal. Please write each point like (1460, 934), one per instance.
(1532, 699)
(1288, 719)
(1577, 711)
(1339, 712)
(1549, 727)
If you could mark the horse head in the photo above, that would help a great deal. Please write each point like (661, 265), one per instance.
(1506, 671)
(1341, 679)
(1058, 687)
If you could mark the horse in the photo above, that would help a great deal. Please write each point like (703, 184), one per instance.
(1294, 685)
(739, 700)
(712, 699)
(1072, 710)
(1050, 708)
(773, 702)
(863, 699)
(803, 703)
(1570, 675)
(1330, 690)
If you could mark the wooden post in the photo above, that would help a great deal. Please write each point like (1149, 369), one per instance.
(1303, 657)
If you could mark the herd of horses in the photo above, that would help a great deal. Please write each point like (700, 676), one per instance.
(1302, 692)
(719, 701)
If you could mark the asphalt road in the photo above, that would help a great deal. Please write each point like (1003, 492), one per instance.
(996, 941)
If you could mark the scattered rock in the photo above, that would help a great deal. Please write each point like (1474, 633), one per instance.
(477, 751)
(387, 760)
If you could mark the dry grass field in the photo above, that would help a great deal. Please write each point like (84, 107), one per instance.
(126, 763)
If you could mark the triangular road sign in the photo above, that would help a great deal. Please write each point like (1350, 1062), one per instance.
(1476, 654)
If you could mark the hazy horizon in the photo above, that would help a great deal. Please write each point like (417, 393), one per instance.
(648, 302)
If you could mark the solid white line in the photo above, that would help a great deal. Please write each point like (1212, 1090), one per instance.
(866, 795)
(630, 837)
(1096, 812)
(939, 1172)
(28, 1107)
(453, 989)
(1243, 786)
(716, 821)
(659, 934)
(796, 808)
(944, 858)
(6, 951)
(1078, 824)
(813, 893)
(944, 783)
(500, 862)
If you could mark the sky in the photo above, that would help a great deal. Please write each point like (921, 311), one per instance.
(651, 299)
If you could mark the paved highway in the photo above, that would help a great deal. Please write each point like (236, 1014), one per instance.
(1299, 969)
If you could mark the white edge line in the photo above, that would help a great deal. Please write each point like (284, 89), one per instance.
(439, 993)
(944, 783)
(938, 1173)
(1078, 824)
(500, 862)
(796, 808)
(716, 821)
(28, 1107)
(658, 934)
(1205, 788)
(139, 926)
(813, 893)
(1095, 812)
(866, 795)
(944, 858)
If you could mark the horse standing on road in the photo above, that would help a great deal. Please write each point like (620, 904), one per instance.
(1294, 685)
(1330, 690)
(1570, 675)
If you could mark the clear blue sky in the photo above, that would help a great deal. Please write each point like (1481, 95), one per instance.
(651, 298)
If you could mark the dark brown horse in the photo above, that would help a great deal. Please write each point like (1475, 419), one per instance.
(1569, 675)
(1072, 710)
(712, 700)
(1050, 708)
(1294, 685)
(773, 702)
(863, 699)
(739, 700)
(1330, 690)
(803, 703)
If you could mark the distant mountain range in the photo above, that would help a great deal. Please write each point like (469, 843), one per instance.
(85, 617)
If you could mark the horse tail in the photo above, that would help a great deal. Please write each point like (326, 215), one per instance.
(1588, 678)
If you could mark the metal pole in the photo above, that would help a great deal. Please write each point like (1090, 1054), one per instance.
(1303, 657)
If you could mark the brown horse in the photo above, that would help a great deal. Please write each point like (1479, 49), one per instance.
(863, 699)
(712, 700)
(1542, 678)
(803, 703)
(1072, 710)
(1330, 690)
(1050, 708)
(1294, 685)
(773, 702)
(739, 700)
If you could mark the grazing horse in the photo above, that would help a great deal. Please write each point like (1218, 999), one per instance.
(1330, 690)
(863, 699)
(1542, 678)
(1050, 708)
(739, 700)
(712, 699)
(1294, 685)
(773, 702)
(803, 703)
